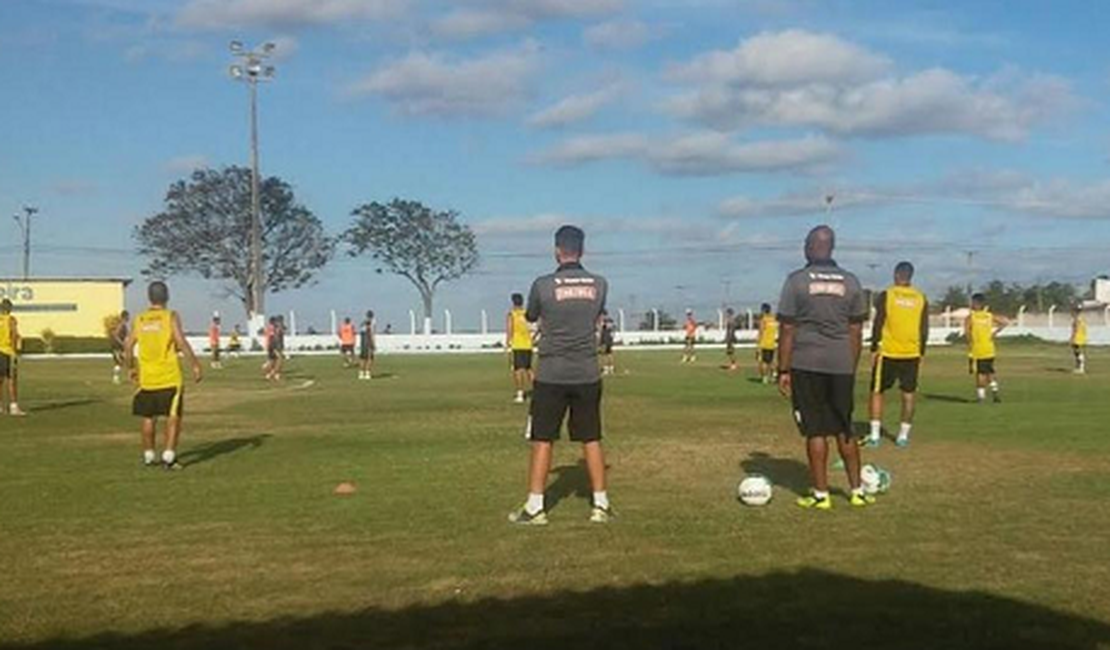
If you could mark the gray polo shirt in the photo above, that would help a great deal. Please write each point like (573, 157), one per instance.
(821, 301)
(567, 304)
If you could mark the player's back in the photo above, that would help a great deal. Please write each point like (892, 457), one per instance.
(1080, 335)
(768, 332)
(567, 305)
(522, 334)
(158, 364)
(904, 309)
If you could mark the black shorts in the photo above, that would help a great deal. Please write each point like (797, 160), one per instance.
(522, 359)
(366, 353)
(767, 356)
(165, 402)
(6, 366)
(216, 352)
(823, 403)
(888, 371)
(550, 403)
(981, 366)
(730, 348)
(607, 347)
(347, 349)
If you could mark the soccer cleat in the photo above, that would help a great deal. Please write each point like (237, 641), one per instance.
(15, 410)
(862, 500)
(870, 442)
(902, 441)
(519, 399)
(813, 503)
(600, 515)
(996, 398)
(172, 467)
(523, 518)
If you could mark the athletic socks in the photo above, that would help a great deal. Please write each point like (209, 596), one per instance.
(169, 456)
(981, 393)
(820, 495)
(601, 500)
(904, 430)
(857, 492)
(994, 386)
(876, 429)
(534, 504)
(148, 456)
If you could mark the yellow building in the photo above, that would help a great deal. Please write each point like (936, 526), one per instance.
(68, 306)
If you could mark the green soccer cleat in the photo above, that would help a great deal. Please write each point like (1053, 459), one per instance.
(523, 518)
(813, 503)
(602, 515)
(862, 500)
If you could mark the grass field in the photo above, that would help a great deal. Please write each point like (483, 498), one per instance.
(996, 533)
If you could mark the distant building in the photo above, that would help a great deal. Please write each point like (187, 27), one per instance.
(68, 306)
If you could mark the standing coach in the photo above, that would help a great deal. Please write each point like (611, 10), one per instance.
(567, 304)
(822, 311)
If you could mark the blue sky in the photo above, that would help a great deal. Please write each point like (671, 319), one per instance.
(694, 140)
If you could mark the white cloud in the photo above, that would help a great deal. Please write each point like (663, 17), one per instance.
(798, 79)
(230, 14)
(186, 164)
(699, 154)
(618, 34)
(476, 18)
(577, 108)
(434, 84)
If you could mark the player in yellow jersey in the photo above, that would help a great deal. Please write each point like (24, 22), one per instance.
(518, 341)
(1079, 339)
(158, 335)
(9, 353)
(767, 342)
(981, 328)
(898, 339)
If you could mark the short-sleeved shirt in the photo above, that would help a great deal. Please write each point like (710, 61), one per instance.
(822, 301)
(567, 305)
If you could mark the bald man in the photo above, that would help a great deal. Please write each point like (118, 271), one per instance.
(822, 311)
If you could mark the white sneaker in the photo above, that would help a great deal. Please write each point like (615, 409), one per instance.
(519, 399)
(14, 410)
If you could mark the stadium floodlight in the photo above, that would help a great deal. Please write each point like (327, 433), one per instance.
(251, 70)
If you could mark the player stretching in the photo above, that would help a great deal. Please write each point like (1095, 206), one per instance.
(9, 349)
(730, 339)
(367, 346)
(1079, 339)
(518, 340)
(606, 339)
(347, 337)
(161, 388)
(214, 342)
(567, 304)
(768, 339)
(898, 339)
(822, 311)
(116, 339)
(981, 328)
(690, 328)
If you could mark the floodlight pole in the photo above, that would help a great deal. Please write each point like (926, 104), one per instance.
(24, 222)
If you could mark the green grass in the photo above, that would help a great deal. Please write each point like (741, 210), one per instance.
(994, 534)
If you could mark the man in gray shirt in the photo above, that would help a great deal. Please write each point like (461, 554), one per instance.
(567, 304)
(822, 311)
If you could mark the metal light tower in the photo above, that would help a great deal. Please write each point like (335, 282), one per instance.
(24, 221)
(251, 69)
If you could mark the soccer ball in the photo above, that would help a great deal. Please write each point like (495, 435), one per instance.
(754, 490)
(875, 479)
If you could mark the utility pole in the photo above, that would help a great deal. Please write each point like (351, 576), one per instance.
(24, 221)
(252, 71)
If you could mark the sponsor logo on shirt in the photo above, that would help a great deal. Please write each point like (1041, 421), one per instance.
(575, 293)
(827, 289)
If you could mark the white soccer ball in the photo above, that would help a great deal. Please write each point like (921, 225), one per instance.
(875, 479)
(755, 490)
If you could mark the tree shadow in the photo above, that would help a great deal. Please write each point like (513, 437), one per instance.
(207, 452)
(786, 472)
(570, 481)
(64, 404)
(776, 610)
(953, 399)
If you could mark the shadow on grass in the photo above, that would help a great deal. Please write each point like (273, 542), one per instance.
(212, 450)
(64, 404)
(807, 609)
(786, 472)
(570, 481)
(954, 399)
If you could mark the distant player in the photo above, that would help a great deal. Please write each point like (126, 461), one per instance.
(730, 339)
(606, 338)
(768, 338)
(981, 328)
(898, 339)
(116, 340)
(275, 349)
(822, 311)
(347, 335)
(214, 342)
(367, 346)
(234, 342)
(567, 305)
(690, 330)
(158, 333)
(9, 357)
(1079, 339)
(518, 340)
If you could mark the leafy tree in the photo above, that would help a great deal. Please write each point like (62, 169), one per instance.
(205, 230)
(409, 239)
(666, 321)
(955, 297)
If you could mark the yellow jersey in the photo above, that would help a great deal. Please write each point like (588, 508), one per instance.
(7, 330)
(981, 339)
(768, 331)
(902, 323)
(522, 334)
(1079, 334)
(158, 364)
